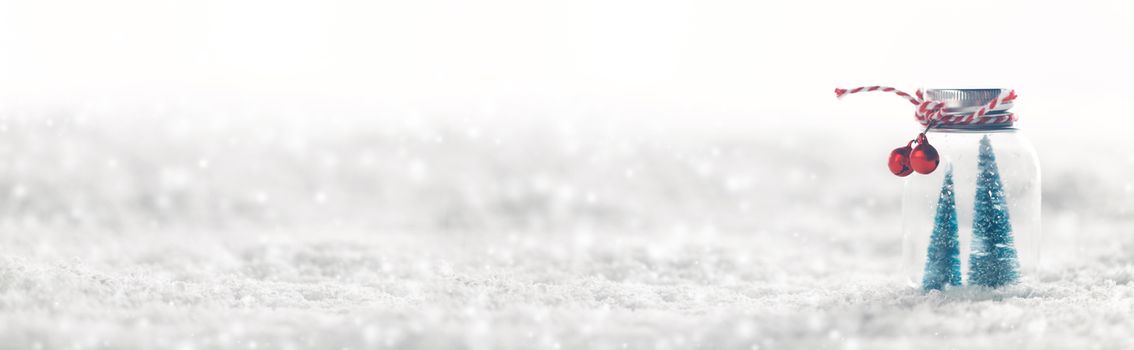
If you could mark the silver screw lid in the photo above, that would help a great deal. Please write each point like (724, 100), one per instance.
(966, 101)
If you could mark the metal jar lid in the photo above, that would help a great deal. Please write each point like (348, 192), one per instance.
(967, 101)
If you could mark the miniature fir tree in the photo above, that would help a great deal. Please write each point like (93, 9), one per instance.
(992, 262)
(943, 263)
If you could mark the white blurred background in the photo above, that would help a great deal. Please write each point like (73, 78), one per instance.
(213, 106)
(151, 151)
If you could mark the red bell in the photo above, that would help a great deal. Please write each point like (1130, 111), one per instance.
(924, 158)
(900, 160)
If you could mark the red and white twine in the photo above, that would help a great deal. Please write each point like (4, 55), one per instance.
(932, 113)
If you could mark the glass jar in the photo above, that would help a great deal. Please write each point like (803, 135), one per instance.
(975, 221)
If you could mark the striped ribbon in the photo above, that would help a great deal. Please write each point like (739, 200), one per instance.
(932, 113)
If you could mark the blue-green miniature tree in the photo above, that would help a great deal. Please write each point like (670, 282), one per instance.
(943, 261)
(992, 262)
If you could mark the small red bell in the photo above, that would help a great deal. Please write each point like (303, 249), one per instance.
(900, 160)
(924, 158)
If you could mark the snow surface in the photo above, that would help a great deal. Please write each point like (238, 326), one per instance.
(201, 234)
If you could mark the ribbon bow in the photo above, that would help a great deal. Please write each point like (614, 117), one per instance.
(932, 113)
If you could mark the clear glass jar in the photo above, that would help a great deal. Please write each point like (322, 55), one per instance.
(976, 219)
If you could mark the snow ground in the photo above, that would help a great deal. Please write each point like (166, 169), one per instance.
(310, 290)
(237, 239)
